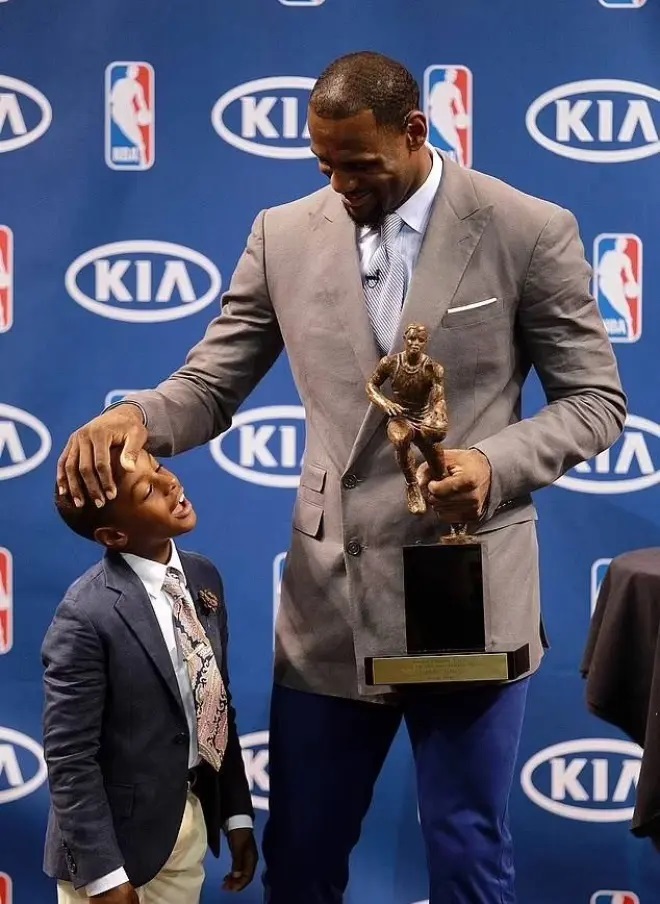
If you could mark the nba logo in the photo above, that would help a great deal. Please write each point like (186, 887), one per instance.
(598, 572)
(6, 604)
(617, 279)
(6, 279)
(278, 571)
(5, 889)
(622, 4)
(129, 116)
(614, 897)
(448, 107)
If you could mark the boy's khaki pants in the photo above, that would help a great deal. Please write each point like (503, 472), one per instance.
(180, 880)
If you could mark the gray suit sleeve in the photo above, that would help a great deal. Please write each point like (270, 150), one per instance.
(75, 687)
(198, 401)
(562, 336)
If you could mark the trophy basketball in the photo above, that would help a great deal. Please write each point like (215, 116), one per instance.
(443, 583)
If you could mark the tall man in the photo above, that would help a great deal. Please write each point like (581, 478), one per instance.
(500, 281)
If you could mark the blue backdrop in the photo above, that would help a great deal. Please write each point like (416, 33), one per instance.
(137, 143)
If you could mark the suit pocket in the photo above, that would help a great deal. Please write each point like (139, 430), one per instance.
(308, 510)
(120, 798)
(472, 312)
(308, 517)
(313, 477)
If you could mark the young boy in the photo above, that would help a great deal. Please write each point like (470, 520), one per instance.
(140, 739)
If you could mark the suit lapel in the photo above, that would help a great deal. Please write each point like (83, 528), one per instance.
(340, 270)
(134, 607)
(452, 235)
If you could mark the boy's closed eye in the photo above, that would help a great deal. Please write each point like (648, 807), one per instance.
(150, 486)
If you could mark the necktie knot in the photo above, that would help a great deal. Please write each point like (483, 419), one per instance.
(390, 228)
(173, 583)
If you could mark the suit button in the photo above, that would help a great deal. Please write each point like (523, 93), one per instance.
(353, 548)
(349, 481)
(181, 738)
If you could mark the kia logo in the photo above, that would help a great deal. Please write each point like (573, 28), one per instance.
(589, 780)
(22, 765)
(597, 120)
(264, 446)
(626, 467)
(254, 749)
(266, 117)
(143, 281)
(25, 113)
(24, 442)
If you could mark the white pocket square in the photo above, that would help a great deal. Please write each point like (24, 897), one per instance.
(474, 304)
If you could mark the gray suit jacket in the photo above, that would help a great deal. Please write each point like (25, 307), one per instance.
(115, 733)
(298, 286)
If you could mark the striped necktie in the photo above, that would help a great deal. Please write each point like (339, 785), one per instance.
(384, 295)
(206, 681)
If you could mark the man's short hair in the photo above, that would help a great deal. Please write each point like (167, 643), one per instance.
(366, 81)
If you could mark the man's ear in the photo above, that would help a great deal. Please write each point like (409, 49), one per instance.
(110, 537)
(416, 130)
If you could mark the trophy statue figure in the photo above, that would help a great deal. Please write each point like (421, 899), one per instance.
(417, 416)
(443, 585)
(417, 413)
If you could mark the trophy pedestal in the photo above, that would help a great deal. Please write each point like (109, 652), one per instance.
(445, 628)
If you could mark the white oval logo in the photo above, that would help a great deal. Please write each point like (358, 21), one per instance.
(266, 117)
(264, 446)
(626, 467)
(254, 747)
(597, 120)
(20, 450)
(22, 765)
(17, 115)
(589, 780)
(143, 281)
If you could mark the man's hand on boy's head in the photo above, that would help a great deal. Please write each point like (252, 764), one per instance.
(121, 894)
(85, 461)
(244, 859)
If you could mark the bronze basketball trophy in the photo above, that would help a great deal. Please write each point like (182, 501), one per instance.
(442, 583)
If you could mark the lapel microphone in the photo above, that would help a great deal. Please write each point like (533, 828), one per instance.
(372, 278)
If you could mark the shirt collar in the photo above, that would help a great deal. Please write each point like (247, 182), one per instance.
(415, 212)
(152, 574)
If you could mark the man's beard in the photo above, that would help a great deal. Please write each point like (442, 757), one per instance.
(372, 220)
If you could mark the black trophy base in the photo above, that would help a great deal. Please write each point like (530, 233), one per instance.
(445, 628)
(494, 665)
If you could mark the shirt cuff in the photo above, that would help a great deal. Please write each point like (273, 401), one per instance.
(112, 880)
(238, 822)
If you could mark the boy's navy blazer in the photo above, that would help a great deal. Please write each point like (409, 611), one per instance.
(115, 733)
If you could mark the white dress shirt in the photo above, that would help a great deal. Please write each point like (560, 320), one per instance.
(415, 213)
(152, 575)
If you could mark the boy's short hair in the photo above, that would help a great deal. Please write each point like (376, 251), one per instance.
(85, 520)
